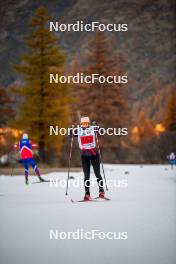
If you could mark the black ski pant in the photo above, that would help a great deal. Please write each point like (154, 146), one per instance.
(86, 163)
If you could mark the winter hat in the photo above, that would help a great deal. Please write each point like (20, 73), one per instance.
(85, 119)
(25, 136)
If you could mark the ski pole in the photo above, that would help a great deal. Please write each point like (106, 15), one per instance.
(11, 174)
(13, 164)
(101, 160)
(69, 163)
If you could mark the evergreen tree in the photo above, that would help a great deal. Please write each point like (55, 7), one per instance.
(43, 104)
(103, 102)
(170, 121)
(6, 113)
(6, 108)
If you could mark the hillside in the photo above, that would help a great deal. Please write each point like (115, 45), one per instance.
(147, 47)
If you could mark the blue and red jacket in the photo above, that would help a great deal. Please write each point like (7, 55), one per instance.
(25, 146)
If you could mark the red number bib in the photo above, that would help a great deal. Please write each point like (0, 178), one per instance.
(86, 139)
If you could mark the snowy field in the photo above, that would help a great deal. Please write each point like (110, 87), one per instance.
(145, 209)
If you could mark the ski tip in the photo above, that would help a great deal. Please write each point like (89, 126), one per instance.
(79, 201)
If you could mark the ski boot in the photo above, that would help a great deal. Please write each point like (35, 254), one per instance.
(41, 179)
(26, 180)
(102, 194)
(87, 197)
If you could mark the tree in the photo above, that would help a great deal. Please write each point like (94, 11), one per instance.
(6, 108)
(170, 121)
(43, 103)
(103, 102)
(145, 127)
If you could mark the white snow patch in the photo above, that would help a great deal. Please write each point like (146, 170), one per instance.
(146, 210)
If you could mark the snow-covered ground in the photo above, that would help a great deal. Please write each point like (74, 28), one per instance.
(145, 209)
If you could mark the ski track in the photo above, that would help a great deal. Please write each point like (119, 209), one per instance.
(145, 209)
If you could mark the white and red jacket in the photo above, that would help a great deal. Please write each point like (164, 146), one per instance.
(86, 139)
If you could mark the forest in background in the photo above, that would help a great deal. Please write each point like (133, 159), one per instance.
(31, 104)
